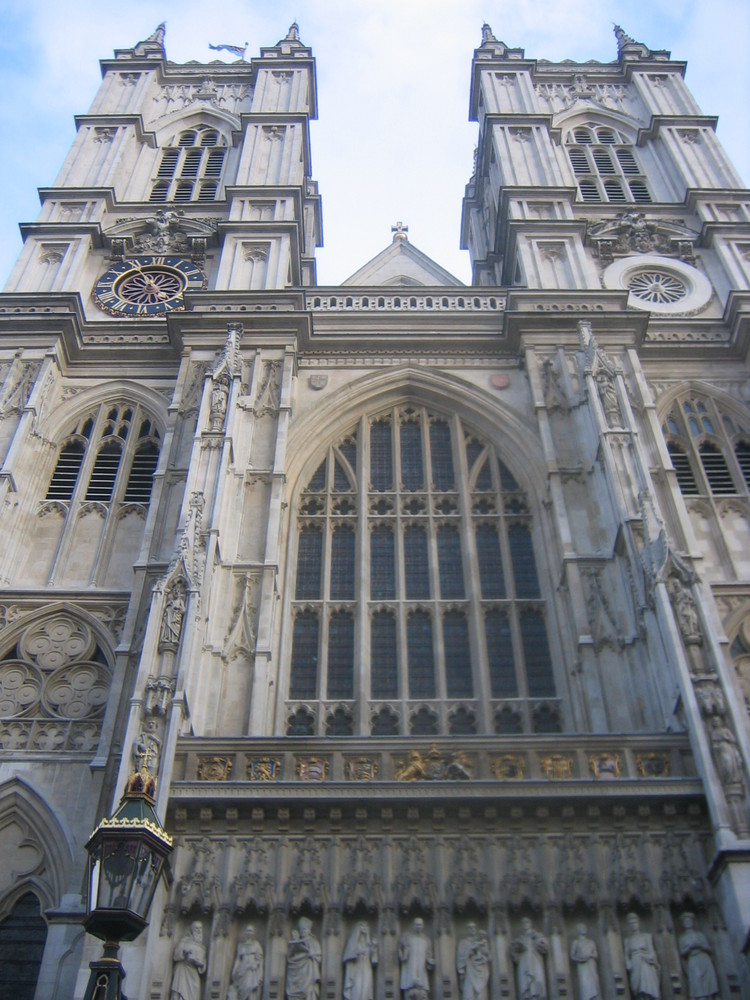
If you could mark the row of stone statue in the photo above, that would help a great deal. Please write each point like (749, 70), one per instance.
(473, 957)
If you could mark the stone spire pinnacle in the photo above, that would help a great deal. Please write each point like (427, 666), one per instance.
(629, 48)
(293, 34)
(487, 35)
(623, 39)
(154, 42)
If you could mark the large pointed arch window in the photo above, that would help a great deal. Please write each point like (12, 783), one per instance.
(604, 163)
(110, 455)
(416, 599)
(190, 170)
(709, 449)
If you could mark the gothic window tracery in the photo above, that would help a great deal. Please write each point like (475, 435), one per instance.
(54, 683)
(111, 455)
(417, 606)
(191, 169)
(605, 166)
(709, 449)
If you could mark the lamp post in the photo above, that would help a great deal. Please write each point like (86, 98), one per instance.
(127, 855)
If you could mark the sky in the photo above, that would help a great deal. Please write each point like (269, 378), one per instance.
(393, 141)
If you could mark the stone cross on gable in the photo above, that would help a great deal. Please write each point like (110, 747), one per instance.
(399, 231)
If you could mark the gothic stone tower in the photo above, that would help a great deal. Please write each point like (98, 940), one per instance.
(421, 601)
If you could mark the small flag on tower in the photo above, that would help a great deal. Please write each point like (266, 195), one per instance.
(237, 50)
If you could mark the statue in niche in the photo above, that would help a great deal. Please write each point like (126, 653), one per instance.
(189, 964)
(552, 386)
(473, 964)
(641, 962)
(415, 956)
(146, 748)
(528, 951)
(219, 396)
(685, 610)
(247, 971)
(608, 395)
(360, 954)
(696, 955)
(585, 957)
(174, 613)
(726, 754)
(303, 955)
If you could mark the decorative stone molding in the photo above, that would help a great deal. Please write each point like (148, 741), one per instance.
(632, 232)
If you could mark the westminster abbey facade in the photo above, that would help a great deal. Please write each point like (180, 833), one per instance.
(427, 604)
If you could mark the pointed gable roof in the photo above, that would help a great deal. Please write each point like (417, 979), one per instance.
(401, 264)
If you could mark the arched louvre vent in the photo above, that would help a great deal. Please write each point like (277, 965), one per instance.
(415, 583)
(717, 472)
(66, 472)
(685, 477)
(191, 170)
(141, 478)
(103, 451)
(742, 451)
(104, 473)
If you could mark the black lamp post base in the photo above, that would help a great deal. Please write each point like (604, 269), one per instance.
(107, 974)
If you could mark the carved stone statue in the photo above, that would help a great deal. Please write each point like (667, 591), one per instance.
(685, 610)
(695, 950)
(473, 964)
(174, 613)
(415, 956)
(219, 396)
(608, 396)
(189, 964)
(585, 956)
(303, 955)
(247, 971)
(360, 954)
(641, 962)
(146, 748)
(726, 754)
(528, 951)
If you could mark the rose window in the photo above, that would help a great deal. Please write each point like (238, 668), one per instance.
(657, 287)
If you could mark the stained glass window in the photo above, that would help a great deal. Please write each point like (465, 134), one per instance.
(416, 568)
(342, 564)
(381, 456)
(458, 679)
(449, 561)
(341, 656)
(383, 655)
(490, 562)
(442, 456)
(382, 572)
(412, 469)
(304, 677)
(421, 656)
(309, 564)
(503, 683)
(447, 603)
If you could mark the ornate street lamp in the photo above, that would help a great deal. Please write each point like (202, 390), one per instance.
(127, 856)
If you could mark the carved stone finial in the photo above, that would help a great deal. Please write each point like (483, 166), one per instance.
(630, 48)
(154, 41)
(623, 38)
(293, 34)
(487, 35)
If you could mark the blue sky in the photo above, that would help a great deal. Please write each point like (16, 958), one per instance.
(392, 141)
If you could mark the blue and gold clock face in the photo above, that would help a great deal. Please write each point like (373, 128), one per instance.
(147, 286)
